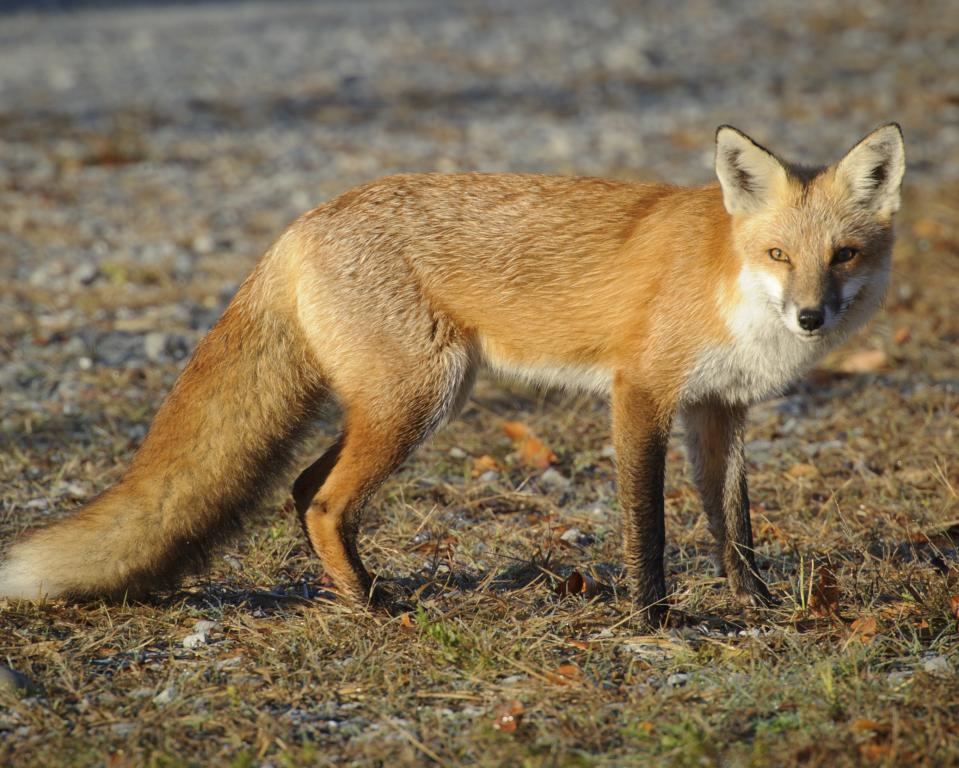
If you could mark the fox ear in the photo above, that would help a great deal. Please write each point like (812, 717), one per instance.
(750, 175)
(872, 170)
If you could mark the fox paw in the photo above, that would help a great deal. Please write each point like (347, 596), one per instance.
(667, 617)
(387, 599)
(752, 592)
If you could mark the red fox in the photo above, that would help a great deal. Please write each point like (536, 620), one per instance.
(688, 303)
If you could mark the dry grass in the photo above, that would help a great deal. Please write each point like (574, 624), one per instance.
(854, 475)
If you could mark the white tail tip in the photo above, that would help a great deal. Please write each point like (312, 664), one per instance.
(21, 579)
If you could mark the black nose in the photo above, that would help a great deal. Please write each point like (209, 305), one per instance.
(810, 319)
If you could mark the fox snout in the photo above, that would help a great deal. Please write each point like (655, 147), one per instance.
(810, 318)
(813, 314)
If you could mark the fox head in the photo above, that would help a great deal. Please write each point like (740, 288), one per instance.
(816, 243)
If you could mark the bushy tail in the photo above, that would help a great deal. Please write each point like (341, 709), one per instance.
(222, 438)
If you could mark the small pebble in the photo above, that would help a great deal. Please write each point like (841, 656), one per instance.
(154, 346)
(194, 640)
(75, 491)
(165, 696)
(553, 479)
(899, 676)
(204, 243)
(84, 273)
(938, 666)
(12, 681)
(648, 652)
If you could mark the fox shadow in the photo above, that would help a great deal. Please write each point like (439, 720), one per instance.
(537, 585)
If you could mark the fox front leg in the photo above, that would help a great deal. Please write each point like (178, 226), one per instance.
(714, 442)
(640, 438)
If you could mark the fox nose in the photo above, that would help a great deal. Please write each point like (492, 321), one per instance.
(810, 319)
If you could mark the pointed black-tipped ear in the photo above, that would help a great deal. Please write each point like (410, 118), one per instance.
(872, 170)
(750, 176)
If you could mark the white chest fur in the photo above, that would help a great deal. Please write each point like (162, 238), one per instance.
(761, 358)
(752, 367)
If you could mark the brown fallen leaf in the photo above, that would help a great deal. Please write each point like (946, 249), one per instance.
(580, 584)
(530, 449)
(954, 605)
(571, 585)
(764, 530)
(898, 611)
(801, 470)
(436, 547)
(912, 475)
(507, 716)
(866, 361)
(865, 628)
(927, 227)
(485, 463)
(902, 335)
(537, 517)
(516, 430)
(581, 644)
(865, 724)
(565, 674)
(873, 752)
(822, 377)
(825, 594)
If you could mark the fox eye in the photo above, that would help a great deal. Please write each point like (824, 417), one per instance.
(776, 254)
(842, 255)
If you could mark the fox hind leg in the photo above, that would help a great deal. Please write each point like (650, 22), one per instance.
(372, 449)
(380, 433)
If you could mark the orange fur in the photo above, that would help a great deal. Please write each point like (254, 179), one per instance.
(393, 295)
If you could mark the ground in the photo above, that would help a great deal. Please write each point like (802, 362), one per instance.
(150, 153)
